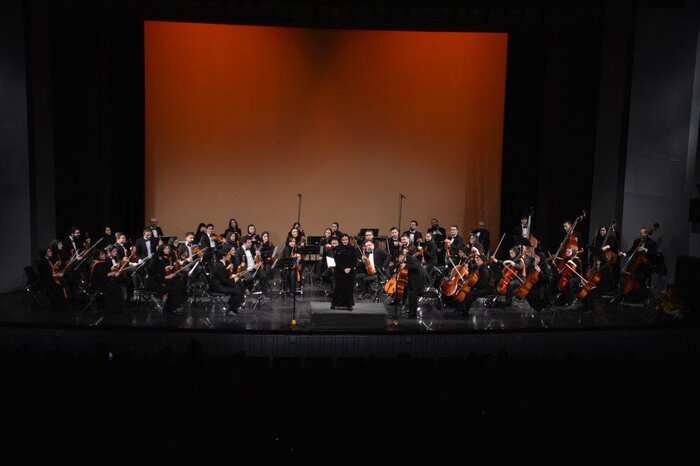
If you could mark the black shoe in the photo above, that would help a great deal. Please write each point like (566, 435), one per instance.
(350, 308)
(332, 306)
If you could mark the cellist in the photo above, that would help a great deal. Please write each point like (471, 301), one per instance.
(483, 287)
(569, 280)
(644, 245)
(515, 263)
(50, 279)
(603, 247)
(370, 268)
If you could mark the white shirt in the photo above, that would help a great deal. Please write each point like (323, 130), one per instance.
(148, 246)
(249, 258)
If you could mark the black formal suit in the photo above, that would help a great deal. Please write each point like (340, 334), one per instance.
(417, 280)
(70, 247)
(649, 244)
(455, 246)
(417, 235)
(142, 249)
(100, 280)
(363, 278)
(518, 237)
(221, 283)
(430, 254)
(484, 237)
(156, 232)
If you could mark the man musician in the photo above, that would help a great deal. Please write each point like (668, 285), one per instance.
(375, 258)
(254, 272)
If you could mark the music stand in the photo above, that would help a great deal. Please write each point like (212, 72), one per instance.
(288, 263)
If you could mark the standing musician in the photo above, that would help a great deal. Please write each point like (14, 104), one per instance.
(121, 246)
(71, 245)
(372, 260)
(454, 241)
(208, 240)
(394, 243)
(328, 273)
(225, 280)
(417, 280)
(146, 245)
(251, 233)
(102, 278)
(162, 280)
(483, 235)
(156, 231)
(201, 230)
(429, 252)
(345, 263)
(483, 287)
(413, 234)
(648, 245)
(107, 237)
(50, 279)
(575, 236)
(439, 235)
(251, 260)
(521, 234)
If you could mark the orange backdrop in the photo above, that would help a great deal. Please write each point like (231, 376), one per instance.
(240, 119)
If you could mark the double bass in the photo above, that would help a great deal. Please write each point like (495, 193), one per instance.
(635, 270)
(570, 241)
(609, 254)
(531, 238)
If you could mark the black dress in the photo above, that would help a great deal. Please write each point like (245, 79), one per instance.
(345, 257)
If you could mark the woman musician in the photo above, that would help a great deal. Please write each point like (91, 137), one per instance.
(163, 280)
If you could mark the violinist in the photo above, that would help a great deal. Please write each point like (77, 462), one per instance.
(120, 245)
(289, 276)
(102, 278)
(208, 241)
(232, 228)
(300, 231)
(370, 268)
(483, 286)
(454, 241)
(298, 237)
(404, 245)
(345, 261)
(569, 281)
(482, 235)
(429, 253)
(474, 246)
(56, 247)
(232, 240)
(439, 235)
(252, 235)
(328, 257)
(201, 230)
(325, 242)
(246, 255)
(50, 279)
(267, 252)
(224, 281)
(146, 245)
(413, 234)
(156, 231)
(72, 245)
(162, 280)
(121, 266)
(185, 250)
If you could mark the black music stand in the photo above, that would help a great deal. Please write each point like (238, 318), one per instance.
(288, 263)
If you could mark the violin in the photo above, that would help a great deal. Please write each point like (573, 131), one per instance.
(218, 239)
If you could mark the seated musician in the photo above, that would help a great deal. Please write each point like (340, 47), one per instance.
(394, 243)
(246, 255)
(296, 231)
(335, 231)
(376, 258)
(119, 267)
(232, 240)
(162, 280)
(483, 287)
(251, 233)
(50, 279)
(224, 281)
(102, 278)
(369, 236)
(288, 278)
(267, 251)
(328, 273)
(146, 245)
(516, 263)
(605, 244)
(568, 293)
(482, 234)
(645, 244)
(454, 241)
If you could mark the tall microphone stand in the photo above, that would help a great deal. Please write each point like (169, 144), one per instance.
(401, 198)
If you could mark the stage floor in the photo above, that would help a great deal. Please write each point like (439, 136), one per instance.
(311, 310)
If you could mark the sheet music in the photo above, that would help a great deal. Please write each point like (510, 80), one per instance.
(330, 261)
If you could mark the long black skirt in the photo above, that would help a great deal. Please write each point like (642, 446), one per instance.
(344, 288)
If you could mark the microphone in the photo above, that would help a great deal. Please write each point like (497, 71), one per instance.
(402, 196)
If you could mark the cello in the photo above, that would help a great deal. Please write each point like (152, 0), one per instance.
(532, 278)
(635, 269)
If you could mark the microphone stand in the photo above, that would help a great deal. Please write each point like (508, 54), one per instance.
(401, 198)
(299, 210)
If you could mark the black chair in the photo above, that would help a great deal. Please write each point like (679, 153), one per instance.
(142, 295)
(219, 301)
(34, 287)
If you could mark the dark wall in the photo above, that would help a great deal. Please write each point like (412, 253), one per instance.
(97, 63)
(14, 150)
(549, 133)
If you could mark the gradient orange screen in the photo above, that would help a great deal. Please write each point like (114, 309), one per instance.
(240, 119)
